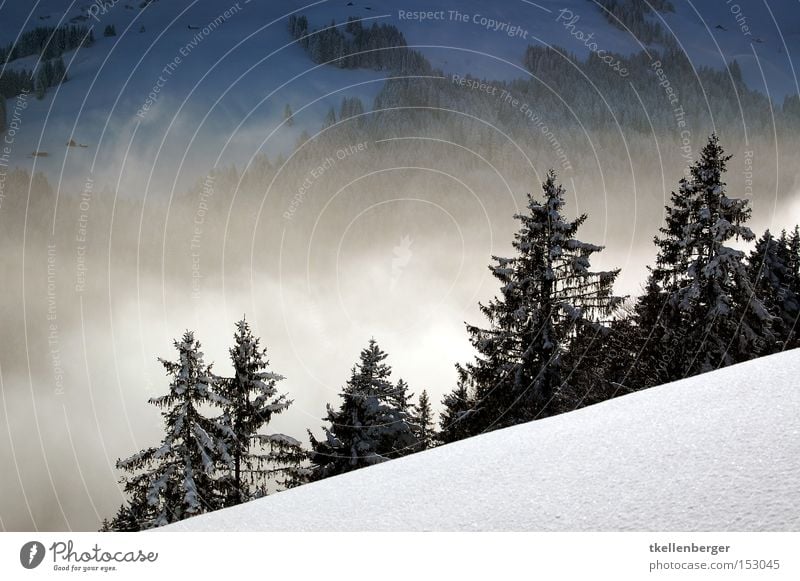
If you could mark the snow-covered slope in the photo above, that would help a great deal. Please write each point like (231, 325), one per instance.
(716, 452)
(235, 77)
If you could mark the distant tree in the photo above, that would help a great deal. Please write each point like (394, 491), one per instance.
(351, 107)
(177, 479)
(41, 82)
(454, 420)
(548, 296)
(59, 72)
(288, 115)
(424, 428)
(330, 118)
(378, 47)
(110, 30)
(367, 427)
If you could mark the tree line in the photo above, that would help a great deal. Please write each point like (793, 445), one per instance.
(555, 338)
(47, 42)
(377, 47)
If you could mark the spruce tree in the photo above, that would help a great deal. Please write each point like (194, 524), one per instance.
(177, 479)
(548, 294)
(454, 420)
(330, 118)
(400, 399)
(771, 269)
(424, 429)
(714, 317)
(59, 72)
(252, 399)
(288, 115)
(367, 427)
(125, 521)
(40, 83)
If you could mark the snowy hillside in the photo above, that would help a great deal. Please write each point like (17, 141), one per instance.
(715, 452)
(239, 68)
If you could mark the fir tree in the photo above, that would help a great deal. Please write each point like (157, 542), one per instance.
(368, 427)
(424, 429)
(177, 479)
(716, 319)
(454, 420)
(330, 118)
(127, 520)
(400, 399)
(109, 30)
(548, 295)
(771, 269)
(351, 107)
(41, 82)
(252, 401)
(288, 115)
(59, 72)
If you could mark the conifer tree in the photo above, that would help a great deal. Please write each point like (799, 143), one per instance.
(330, 118)
(425, 431)
(454, 420)
(127, 520)
(252, 399)
(367, 427)
(40, 83)
(548, 295)
(708, 315)
(400, 397)
(288, 115)
(177, 479)
(771, 269)
(59, 72)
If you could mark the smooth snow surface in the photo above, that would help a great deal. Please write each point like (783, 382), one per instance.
(715, 452)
